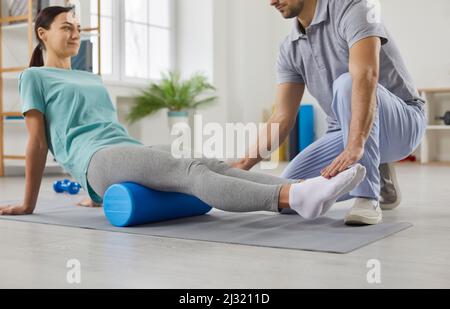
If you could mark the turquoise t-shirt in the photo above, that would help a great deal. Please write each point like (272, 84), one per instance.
(80, 117)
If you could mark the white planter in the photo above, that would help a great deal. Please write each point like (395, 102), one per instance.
(178, 124)
(177, 117)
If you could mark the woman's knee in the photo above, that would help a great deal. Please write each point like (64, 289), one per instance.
(162, 147)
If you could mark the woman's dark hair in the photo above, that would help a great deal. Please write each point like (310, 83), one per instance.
(44, 20)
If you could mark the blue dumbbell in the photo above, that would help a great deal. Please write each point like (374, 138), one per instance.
(66, 185)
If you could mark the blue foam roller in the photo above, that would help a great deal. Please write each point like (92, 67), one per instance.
(129, 204)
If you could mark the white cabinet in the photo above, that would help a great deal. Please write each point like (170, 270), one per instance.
(436, 143)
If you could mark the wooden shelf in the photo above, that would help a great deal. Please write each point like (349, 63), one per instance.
(438, 128)
(90, 29)
(24, 25)
(434, 90)
(12, 70)
(8, 19)
(13, 157)
(28, 20)
(11, 114)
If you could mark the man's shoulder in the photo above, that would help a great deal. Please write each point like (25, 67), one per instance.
(339, 7)
(336, 4)
(287, 45)
(286, 42)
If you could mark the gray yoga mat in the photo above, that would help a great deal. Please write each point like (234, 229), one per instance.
(326, 234)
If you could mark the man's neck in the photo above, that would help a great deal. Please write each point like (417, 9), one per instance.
(307, 15)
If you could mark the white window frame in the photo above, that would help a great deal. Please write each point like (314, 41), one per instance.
(115, 75)
(118, 57)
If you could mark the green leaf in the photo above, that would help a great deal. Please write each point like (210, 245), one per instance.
(174, 94)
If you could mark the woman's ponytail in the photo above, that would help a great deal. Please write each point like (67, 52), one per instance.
(37, 59)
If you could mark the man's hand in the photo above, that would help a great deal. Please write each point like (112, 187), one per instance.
(241, 164)
(351, 155)
(15, 210)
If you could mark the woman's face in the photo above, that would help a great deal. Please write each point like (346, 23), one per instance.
(63, 37)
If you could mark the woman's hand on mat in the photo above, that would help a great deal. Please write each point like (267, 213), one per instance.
(350, 156)
(15, 210)
(87, 202)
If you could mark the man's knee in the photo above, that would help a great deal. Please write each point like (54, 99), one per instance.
(342, 95)
(302, 167)
(343, 83)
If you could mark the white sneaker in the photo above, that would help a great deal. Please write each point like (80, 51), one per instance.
(364, 212)
(390, 194)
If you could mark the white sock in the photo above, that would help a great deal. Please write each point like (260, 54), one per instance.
(314, 197)
(361, 174)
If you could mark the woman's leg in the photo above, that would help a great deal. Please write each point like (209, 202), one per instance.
(223, 168)
(160, 171)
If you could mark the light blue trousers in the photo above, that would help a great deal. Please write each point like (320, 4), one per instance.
(397, 131)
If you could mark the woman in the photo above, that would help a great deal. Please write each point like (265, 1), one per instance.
(70, 113)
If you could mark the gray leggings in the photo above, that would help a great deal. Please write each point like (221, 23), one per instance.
(212, 181)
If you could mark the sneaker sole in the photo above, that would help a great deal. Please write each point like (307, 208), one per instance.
(360, 220)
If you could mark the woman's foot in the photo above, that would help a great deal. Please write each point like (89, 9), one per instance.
(87, 202)
(314, 197)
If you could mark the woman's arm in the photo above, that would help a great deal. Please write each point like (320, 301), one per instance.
(37, 150)
(36, 157)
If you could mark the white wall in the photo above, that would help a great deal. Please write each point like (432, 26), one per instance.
(200, 48)
(422, 31)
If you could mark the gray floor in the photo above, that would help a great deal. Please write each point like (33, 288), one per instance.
(33, 255)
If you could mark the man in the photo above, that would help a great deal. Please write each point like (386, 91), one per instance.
(342, 52)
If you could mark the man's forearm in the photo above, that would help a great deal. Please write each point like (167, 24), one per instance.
(363, 109)
(36, 158)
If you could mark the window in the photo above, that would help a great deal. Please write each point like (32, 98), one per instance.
(147, 38)
(136, 38)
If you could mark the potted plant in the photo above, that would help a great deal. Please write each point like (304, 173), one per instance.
(177, 95)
